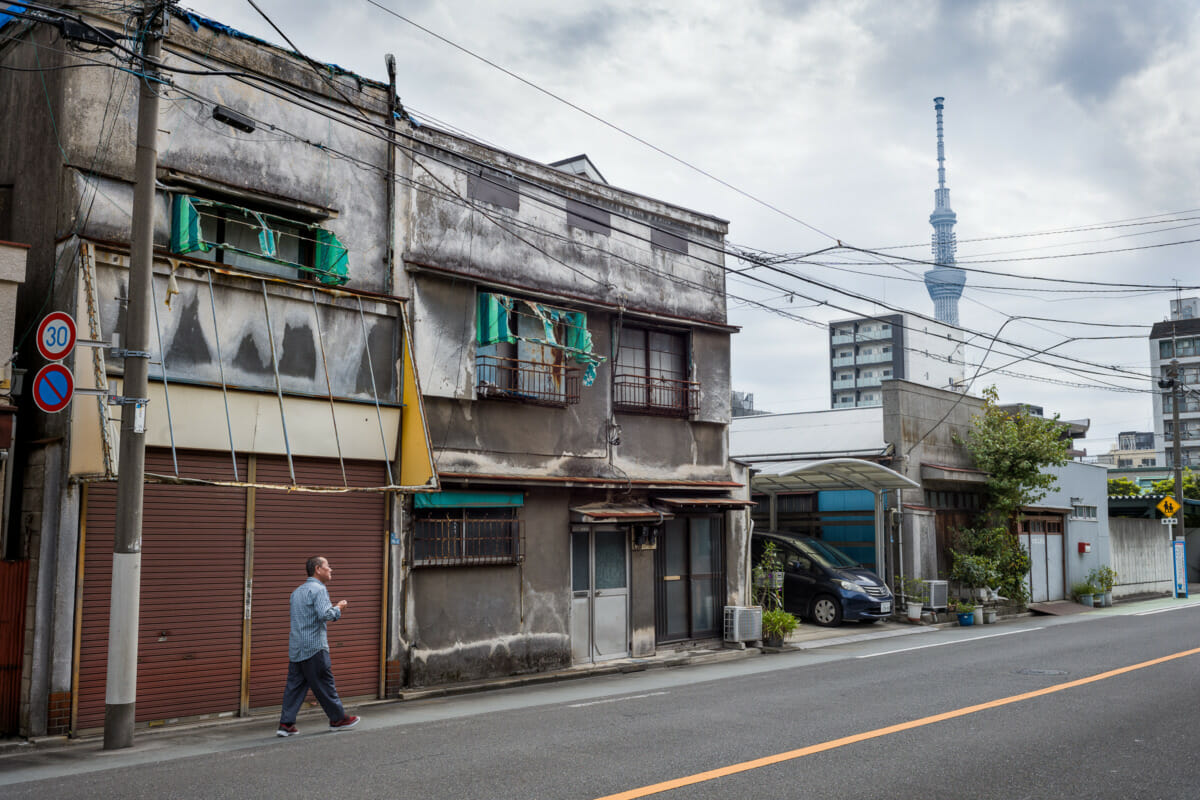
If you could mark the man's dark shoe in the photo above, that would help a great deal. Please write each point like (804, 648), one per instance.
(286, 730)
(343, 724)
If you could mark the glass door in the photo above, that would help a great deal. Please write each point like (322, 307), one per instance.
(599, 594)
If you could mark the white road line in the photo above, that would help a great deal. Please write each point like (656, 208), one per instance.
(616, 699)
(953, 641)
(1169, 608)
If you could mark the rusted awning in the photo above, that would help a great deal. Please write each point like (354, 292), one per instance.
(700, 502)
(619, 513)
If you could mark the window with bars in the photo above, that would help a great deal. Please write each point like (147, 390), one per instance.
(651, 374)
(256, 241)
(467, 536)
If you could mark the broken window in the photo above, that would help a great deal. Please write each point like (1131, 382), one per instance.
(531, 352)
(256, 241)
(651, 374)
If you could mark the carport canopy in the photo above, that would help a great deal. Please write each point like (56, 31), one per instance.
(831, 474)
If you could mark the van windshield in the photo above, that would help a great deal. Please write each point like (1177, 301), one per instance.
(827, 555)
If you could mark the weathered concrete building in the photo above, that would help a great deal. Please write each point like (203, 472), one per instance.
(574, 354)
(283, 419)
(574, 499)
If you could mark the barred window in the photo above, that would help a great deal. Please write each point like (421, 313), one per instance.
(467, 536)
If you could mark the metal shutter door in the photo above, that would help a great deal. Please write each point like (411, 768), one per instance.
(190, 623)
(349, 530)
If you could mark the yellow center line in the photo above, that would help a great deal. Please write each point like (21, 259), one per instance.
(832, 744)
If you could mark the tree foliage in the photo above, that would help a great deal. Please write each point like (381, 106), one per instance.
(1014, 447)
(1191, 487)
(1124, 487)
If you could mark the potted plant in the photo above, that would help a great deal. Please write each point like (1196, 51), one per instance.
(777, 625)
(915, 596)
(768, 578)
(974, 571)
(965, 610)
(1084, 593)
(1103, 578)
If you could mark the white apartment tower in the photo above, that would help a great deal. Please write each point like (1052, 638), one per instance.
(1177, 338)
(865, 351)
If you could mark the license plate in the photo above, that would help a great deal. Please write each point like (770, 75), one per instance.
(885, 608)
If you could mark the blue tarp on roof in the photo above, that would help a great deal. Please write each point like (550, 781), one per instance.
(6, 7)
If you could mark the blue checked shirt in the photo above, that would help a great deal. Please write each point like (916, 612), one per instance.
(311, 610)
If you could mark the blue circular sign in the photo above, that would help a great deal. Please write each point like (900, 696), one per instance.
(52, 388)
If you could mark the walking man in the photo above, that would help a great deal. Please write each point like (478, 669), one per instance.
(308, 651)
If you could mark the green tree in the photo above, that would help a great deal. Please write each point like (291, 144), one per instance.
(1124, 487)
(1014, 448)
(1191, 487)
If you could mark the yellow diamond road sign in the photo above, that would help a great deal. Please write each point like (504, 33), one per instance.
(1168, 506)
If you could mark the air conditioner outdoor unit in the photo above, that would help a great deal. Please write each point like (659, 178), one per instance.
(939, 594)
(743, 623)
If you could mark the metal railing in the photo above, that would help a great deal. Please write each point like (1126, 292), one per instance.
(467, 542)
(666, 397)
(526, 381)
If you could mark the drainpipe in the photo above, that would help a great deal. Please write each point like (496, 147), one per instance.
(392, 103)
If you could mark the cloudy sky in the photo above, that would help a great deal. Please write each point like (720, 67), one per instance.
(1071, 153)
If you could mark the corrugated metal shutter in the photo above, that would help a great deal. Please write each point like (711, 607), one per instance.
(190, 623)
(349, 530)
(14, 576)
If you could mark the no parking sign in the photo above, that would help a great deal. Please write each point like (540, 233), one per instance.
(53, 387)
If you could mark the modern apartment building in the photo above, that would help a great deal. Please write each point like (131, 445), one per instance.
(1177, 339)
(866, 351)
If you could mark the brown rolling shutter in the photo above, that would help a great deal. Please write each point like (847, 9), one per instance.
(349, 530)
(190, 623)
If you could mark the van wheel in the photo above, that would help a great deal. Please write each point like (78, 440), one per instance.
(826, 611)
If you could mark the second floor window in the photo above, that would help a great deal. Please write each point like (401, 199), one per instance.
(531, 352)
(651, 374)
(256, 241)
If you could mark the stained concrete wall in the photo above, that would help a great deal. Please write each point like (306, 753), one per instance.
(473, 622)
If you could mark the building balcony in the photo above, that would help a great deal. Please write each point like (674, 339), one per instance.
(843, 338)
(663, 397)
(843, 383)
(864, 383)
(842, 361)
(533, 382)
(874, 358)
(875, 335)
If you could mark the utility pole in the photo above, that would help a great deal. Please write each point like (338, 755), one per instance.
(1173, 383)
(121, 683)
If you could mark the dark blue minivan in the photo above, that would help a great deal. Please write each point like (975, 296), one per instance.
(822, 583)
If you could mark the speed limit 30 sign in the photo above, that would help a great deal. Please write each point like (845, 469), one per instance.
(56, 336)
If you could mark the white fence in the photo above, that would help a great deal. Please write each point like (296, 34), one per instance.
(1141, 555)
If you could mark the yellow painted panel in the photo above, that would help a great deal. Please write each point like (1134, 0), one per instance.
(416, 454)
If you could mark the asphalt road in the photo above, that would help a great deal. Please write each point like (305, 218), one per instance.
(1101, 705)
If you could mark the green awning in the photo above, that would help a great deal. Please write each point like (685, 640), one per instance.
(468, 499)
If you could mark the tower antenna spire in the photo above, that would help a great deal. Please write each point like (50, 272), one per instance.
(945, 281)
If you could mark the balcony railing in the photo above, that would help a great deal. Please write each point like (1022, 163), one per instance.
(526, 381)
(869, 382)
(843, 383)
(665, 397)
(842, 361)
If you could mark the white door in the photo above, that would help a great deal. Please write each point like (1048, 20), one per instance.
(599, 594)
